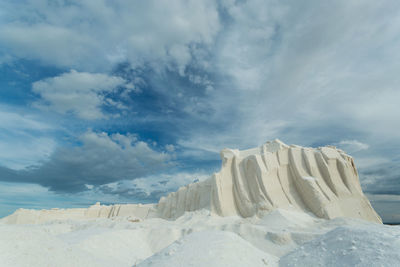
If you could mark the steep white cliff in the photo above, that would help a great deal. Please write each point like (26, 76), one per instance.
(323, 181)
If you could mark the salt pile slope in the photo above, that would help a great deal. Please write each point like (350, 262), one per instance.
(322, 180)
(27, 216)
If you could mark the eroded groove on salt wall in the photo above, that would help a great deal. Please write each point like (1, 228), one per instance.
(314, 171)
(323, 181)
(325, 174)
(242, 196)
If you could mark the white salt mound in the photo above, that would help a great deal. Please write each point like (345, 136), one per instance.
(209, 249)
(323, 181)
(200, 239)
(348, 246)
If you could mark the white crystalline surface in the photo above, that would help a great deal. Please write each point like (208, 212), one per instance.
(365, 245)
(281, 238)
(275, 205)
(211, 248)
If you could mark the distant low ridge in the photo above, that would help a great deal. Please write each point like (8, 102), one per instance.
(323, 181)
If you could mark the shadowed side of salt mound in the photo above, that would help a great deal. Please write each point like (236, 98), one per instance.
(323, 181)
(211, 248)
(285, 219)
(352, 245)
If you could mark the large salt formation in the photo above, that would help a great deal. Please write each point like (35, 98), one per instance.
(323, 181)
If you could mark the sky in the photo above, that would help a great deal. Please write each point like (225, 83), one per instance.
(124, 101)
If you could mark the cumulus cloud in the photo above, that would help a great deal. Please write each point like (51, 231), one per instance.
(100, 159)
(52, 44)
(94, 35)
(79, 93)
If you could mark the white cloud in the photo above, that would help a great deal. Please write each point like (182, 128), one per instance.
(369, 161)
(80, 93)
(352, 146)
(246, 46)
(170, 148)
(52, 44)
(94, 35)
(119, 156)
(239, 136)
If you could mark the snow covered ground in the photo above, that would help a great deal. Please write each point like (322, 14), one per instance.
(281, 238)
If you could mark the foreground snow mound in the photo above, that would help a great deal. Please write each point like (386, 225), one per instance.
(200, 239)
(355, 245)
(209, 249)
(29, 246)
(286, 219)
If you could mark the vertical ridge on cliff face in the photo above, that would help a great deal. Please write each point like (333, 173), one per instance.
(323, 181)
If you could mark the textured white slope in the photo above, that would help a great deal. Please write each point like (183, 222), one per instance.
(29, 246)
(323, 181)
(26, 216)
(297, 238)
(345, 246)
(211, 249)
